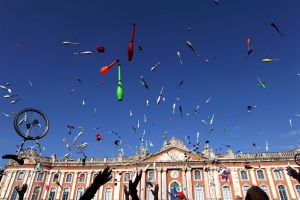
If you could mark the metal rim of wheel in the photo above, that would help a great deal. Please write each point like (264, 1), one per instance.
(16, 126)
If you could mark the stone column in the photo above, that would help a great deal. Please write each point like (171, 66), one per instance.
(4, 189)
(88, 179)
(273, 191)
(9, 188)
(143, 187)
(289, 183)
(253, 177)
(164, 184)
(118, 186)
(159, 183)
(217, 184)
(25, 177)
(73, 185)
(59, 188)
(189, 184)
(235, 182)
(100, 193)
(207, 185)
(47, 182)
(30, 185)
(184, 180)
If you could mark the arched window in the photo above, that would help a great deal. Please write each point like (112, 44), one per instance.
(55, 178)
(227, 193)
(244, 175)
(14, 194)
(82, 177)
(277, 174)
(298, 190)
(151, 176)
(150, 195)
(51, 194)
(69, 178)
(126, 177)
(36, 193)
(79, 193)
(245, 189)
(260, 175)
(199, 192)
(265, 189)
(282, 192)
(40, 177)
(21, 176)
(66, 194)
(174, 188)
(108, 194)
(197, 175)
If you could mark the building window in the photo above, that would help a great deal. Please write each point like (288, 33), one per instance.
(244, 175)
(174, 188)
(79, 193)
(55, 178)
(82, 177)
(40, 177)
(199, 192)
(298, 190)
(277, 174)
(197, 175)
(265, 189)
(52, 194)
(21, 176)
(14, 194)
(126, 177)
(69, 178)
(226, 193)
(260, 175)
(36, 193)
(150, 194)
(66, 194)
(282, 192)
(245, 189)
(151, 176)
(108, 194)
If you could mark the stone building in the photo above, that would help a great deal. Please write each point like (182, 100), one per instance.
(174, 167)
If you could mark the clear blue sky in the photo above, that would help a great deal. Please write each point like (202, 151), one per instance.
(31, 33)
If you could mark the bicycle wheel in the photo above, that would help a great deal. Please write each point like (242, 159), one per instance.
(31, 124)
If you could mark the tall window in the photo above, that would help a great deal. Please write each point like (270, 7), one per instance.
(265, 189)
(244, 175)
(277, 174)
(298, 190)
(199, 192)
(108, 194)
(55, 178)
(82, 177)
(197, 175)
(69, 178)
(245, 189)
(40, 177)
(14, 194)
(150, 195)
(227, 193)
(126, 177)
(66, 194)
(79, 193)
(21, 176)
(36, 193)
(151, 176)
(282, 192)
(51, 194)
(260, 175)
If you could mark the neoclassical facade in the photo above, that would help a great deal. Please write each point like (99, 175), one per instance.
(174, 167)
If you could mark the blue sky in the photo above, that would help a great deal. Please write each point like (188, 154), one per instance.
(31, 33)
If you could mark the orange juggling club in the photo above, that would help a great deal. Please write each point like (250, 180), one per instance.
(105, 69)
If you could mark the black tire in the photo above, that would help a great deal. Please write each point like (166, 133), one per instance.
(31, 110)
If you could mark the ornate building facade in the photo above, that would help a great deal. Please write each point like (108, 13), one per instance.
(174, 167)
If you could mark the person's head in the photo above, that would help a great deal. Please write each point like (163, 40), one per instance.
(255, 193)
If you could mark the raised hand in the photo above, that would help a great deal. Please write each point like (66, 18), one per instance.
(133, 185)
(155, 192)
(126, 192)
(100, 179)
(21, 191)
(293, 173)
